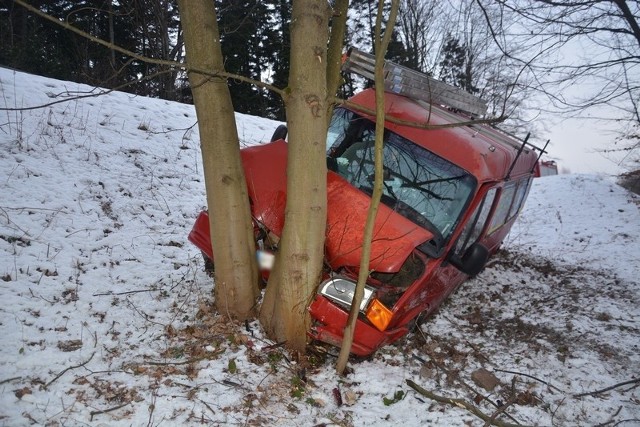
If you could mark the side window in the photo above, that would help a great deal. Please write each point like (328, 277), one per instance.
(473, 228)
(338, 128)
(521, 192)
(504, 204)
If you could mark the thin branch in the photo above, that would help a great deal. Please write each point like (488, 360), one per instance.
(104, 411)
(68, 369)
(126, 292)
(460, 403)
(9, 380)
(532, 377)
(593, 393)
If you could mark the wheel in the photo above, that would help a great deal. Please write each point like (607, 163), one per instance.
(280, 133)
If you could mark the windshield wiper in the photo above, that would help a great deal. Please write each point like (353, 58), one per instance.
(389, 200)
(435, 181)
(433, 194)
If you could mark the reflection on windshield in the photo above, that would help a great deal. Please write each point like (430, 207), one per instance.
(418, 184)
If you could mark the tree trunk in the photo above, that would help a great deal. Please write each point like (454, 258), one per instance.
(298, 266)
(236, 275)
(380, 47)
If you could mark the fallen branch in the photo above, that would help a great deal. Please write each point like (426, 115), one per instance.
(64, 371)
(125, 292)
(152, 406)
(10, 379)
(593, 393)
(273, 346)
(501, 409)
(182, 362)
(460, 403)
(532, 377)
(207, 406)
(104, 411)
(457, 377)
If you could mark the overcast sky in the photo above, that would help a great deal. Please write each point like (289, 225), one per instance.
(576, 145)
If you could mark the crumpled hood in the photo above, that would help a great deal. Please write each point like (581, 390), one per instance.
(395, 237)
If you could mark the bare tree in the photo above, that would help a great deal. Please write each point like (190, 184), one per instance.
(419, 22)
(232, 237)
(298, 266)
(591, 44)
(485, 65)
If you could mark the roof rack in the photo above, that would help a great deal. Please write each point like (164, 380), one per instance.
(422, 88)
(414, 84)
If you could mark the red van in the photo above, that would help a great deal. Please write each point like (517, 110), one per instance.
(451, 195)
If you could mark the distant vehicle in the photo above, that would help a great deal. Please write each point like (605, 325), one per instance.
(450, 197)
(545, 168)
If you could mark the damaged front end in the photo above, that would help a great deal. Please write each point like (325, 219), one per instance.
(396, 265)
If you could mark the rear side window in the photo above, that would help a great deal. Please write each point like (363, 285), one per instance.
(504, 204)
(473, 228)
(521, 192)
(511, 199)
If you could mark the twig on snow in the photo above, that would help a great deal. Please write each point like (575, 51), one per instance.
(125, 293)
(207, 406)
(460, 403)
(152, 406)
(274, 346)
(593, 393)
(64, 371)
(182, 362)
(10, 379)
(532, 377)
(104, 411)
(501, 410)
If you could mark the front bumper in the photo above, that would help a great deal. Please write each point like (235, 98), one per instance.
(330, 321)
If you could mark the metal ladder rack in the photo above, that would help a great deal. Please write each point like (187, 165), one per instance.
(414, 84)
(422, 88)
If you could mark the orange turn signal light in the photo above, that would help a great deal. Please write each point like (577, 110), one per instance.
(379, 315)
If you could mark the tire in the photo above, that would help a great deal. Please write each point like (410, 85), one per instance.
(280, 133)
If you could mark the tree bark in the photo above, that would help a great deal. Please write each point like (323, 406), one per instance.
(298, 266)
(236, 274)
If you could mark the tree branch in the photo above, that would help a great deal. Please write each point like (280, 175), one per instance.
(593, 393)
(460, 403)
(68, 369)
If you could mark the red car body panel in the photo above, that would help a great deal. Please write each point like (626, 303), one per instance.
(395, 237)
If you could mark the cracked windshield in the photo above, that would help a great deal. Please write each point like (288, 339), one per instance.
(418, 184)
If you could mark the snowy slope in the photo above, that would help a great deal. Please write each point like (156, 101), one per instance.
(104, 317)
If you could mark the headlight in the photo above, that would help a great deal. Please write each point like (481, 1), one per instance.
(341, 291)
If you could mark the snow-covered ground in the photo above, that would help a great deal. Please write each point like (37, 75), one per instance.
(105, 316)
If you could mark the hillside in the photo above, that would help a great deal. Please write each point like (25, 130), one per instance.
(105, 321)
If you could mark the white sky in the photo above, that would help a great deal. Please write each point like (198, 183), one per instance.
(576, 145)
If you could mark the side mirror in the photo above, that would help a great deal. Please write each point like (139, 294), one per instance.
(280, 133)
(473, 260)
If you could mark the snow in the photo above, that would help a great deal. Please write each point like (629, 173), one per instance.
(105, 314)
